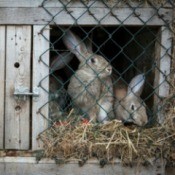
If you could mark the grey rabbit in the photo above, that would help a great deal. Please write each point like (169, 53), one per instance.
(58, 95)
(128, 106)
(91, 86)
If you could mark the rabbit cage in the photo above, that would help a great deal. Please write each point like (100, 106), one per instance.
(41, 43)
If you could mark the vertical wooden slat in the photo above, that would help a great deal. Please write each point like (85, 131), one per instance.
(18, 60)
(163, 49)
(2, 76)
(165, 61)
(40, 79)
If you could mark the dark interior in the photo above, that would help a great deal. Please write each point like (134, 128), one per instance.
(130, 50)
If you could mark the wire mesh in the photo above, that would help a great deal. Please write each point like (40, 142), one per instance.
(102, 70)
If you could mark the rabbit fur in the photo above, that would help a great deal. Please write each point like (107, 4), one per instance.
(91, 86)
(128, 106)
(59, 97)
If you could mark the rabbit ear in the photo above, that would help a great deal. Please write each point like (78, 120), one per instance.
(61, 61)
(75, 45)
(136, 85)
(120, 93)
(88, 43)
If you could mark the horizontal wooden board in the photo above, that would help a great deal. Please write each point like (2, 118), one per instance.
(28, 166)
(91, 3)
(95, 16)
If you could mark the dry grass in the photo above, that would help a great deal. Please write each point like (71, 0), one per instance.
(79, 139)
(85, 140)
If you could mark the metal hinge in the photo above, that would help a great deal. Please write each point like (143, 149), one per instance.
(22, 92)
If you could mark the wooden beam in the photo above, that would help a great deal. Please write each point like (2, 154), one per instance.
(91, 3)
(2, 83)
(41, 81)
(81, 16)
(163, 49)
(163, 61)
(17, 111)
(28, 166)
(173, 55)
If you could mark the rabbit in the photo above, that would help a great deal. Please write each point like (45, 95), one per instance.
(58, 96)
(128, 106)
(60, 61)
(91, 86)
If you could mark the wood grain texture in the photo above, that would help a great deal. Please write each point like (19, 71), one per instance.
(2, 83)
(18, 59)
(28, 166)
(163, 48)
(91, 3)
(41, 80)
(165, 61)
(94, 16)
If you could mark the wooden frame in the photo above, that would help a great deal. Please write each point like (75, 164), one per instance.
(29, 166)
(29, 12)
(40, 79)
(2, 84)
(37, 16)
(163, 50)
(163, 54)
(76, 4)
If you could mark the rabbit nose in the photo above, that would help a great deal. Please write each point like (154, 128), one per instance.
(109, 70)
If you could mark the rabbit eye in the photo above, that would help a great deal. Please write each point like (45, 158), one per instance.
(132, 107)
(93, 60)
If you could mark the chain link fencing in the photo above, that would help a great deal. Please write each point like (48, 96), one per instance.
(111, 66)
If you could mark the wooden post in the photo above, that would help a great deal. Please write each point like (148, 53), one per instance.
(17, 114)
(41, 80)
(163, 50)
(2, 83)
(173, 52)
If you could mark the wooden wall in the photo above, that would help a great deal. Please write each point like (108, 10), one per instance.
(23, 23)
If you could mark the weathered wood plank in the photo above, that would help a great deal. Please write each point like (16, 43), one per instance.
(164, 61)
(2, 83)
(28, 166)
(18, 59)
(20, 3)
(173, 56)
(163, 50)
(91, 3)
(94, 16)
(41, 80)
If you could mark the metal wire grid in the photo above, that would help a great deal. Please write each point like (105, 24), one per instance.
(61, 104)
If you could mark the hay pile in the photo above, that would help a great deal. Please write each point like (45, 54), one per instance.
(82, 140)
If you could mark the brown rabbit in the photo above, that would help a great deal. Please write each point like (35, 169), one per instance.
(128, 105)
(91, 86)
(58, 95)
(60, 61)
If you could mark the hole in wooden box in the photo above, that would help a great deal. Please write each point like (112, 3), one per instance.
(16, 65)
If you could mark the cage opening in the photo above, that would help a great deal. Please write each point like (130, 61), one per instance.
(130, 51)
